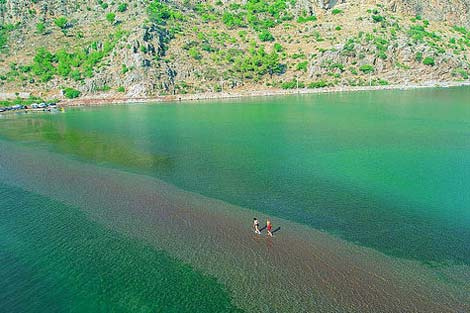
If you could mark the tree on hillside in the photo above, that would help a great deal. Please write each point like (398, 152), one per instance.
(111, 17)
(272, 64)
(61, 22)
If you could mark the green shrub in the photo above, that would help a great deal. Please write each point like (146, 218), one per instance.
(124, 69)
(122, 7)
(194, 53)
(242, 34)
(111, 17)
(402, 66)
(266, 36)
(76, 75)
(305, 19)
(71, 93)
(9, 27)
(338, 66)
(45, 77)
(378, 18)
(160, 12)
(278, 47)
(463, 73)
(419, 56)
(121, 89)
(292, 84)
(258, 63)
(428, 61)
(232, 20)
(43, 64)
(300, 55)
(234, 6)
(302, 66)
(366, 68)
(382, 55)
(418, 33)
(103, 88)
(40, 28)
(61, 22)
(349, 47)
(336, 11)
(338, 28)
(318, 84)
(25, 68)
(383, 82)
(63, 69)
(3, 38)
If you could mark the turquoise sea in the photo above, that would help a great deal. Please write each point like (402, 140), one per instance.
(141, 208)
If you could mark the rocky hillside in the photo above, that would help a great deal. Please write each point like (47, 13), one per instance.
(61, 48)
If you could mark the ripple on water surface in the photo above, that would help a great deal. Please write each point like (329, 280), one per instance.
(55, 259)
(301, 270)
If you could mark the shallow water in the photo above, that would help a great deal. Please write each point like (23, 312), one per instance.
(383, 170)
(54, 259)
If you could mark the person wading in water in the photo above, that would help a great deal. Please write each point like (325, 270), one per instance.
(256, 225)
(269, 227)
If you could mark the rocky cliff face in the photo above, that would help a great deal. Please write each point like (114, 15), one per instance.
(169, 47)
(450, 11)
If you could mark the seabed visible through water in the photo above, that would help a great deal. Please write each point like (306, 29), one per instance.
(144, 208)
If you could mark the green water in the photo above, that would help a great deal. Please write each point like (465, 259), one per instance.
(387, 170)
(54, 259)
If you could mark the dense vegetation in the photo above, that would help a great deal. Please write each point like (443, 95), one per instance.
(4, 35)
(71, 93)
(75, 65)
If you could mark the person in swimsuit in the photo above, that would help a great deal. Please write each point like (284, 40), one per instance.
(269, 226)
(256, 225)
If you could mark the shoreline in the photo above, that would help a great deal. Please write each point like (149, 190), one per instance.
(92, 101)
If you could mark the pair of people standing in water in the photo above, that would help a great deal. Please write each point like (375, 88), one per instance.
(268, 227)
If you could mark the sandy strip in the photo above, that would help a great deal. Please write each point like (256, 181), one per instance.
(300, 270)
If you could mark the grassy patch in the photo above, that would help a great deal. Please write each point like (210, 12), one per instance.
(293, 84)
(318, 84)
(71, 93)
(367, 68)
(61, 22)
(336, 11)
(429, 61)
(302, 66)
